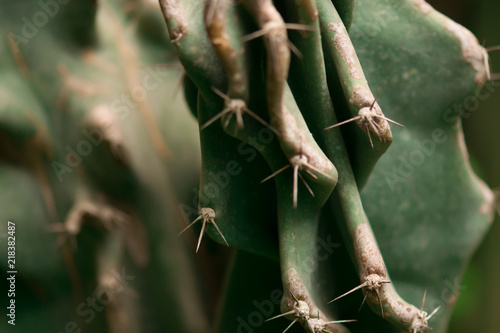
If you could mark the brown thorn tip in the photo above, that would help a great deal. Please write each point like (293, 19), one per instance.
(343, 122)
(376, 97)
(423, 300)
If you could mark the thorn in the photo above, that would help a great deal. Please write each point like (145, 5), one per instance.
(486, 62)
(189, 226)
(220, 93)
(253, 35)
(376, 97)
(293, 322)
(364, 300)
(220, 114)
(237, 111)
(489, 75)
(298, 26)
(343, 122)
(423, 300)
(214, 118)
(493, 48)
(281, 315)
(260, 120)
(293, 295)
(295, 185)
(274, 174)
(290, 26)
(341, 321)
(433, 313)
(294, 49)
(239, 120)
(369, 136)
(391, 121)
(374, 123)
(380, 302)
(306, 185)
(220, 233)
(310, 173)
(208, 216)
(201, 235)
(298, 164)
(350, 291)
(313, 168)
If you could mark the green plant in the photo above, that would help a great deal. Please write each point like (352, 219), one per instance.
(269, 84)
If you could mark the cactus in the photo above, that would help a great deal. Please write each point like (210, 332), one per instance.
(331, 160)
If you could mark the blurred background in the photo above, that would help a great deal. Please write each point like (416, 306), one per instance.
(478, 307)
